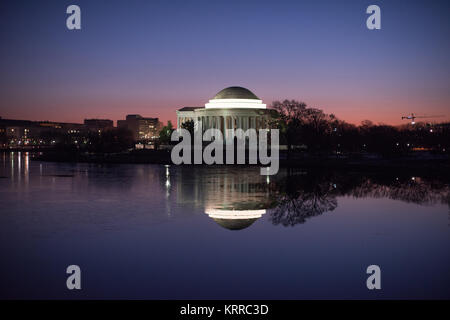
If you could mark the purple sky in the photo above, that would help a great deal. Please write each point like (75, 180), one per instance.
(153, 57)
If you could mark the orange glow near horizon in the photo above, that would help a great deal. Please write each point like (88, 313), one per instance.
(378, 111)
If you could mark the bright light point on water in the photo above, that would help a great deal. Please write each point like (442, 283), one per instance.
(167, 170)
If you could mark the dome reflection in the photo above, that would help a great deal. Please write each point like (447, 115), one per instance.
(234, 219)
(233, 198)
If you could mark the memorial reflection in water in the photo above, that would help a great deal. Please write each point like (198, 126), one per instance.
(237, 197)
(234, 198)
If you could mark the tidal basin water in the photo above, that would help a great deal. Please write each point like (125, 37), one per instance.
(157, 232)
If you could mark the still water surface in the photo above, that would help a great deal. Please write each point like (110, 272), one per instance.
(157, 232)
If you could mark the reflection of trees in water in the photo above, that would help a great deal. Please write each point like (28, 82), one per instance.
(299, 197)
(419, 190)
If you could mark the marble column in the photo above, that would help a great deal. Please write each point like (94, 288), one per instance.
(225, 126)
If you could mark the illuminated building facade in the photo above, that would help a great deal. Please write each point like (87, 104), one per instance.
(231, 108)
(142, 128)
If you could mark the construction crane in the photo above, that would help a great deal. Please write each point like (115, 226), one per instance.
(413, 117)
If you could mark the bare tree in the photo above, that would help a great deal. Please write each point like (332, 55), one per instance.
(288, 119)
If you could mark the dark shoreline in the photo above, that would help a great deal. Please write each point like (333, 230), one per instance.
(429, 163)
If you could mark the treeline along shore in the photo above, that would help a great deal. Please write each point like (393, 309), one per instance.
(308, 137)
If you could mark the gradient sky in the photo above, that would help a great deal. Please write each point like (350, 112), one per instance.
(153, 57)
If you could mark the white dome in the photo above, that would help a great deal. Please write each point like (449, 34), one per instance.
(235, 98)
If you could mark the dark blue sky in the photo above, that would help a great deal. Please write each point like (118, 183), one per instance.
(152, 57)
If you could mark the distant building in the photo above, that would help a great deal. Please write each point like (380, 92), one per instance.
(16, 130)
(142, 128)
(19, 133)
(98, 124)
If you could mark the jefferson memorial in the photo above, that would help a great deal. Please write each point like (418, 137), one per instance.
(231, 108)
